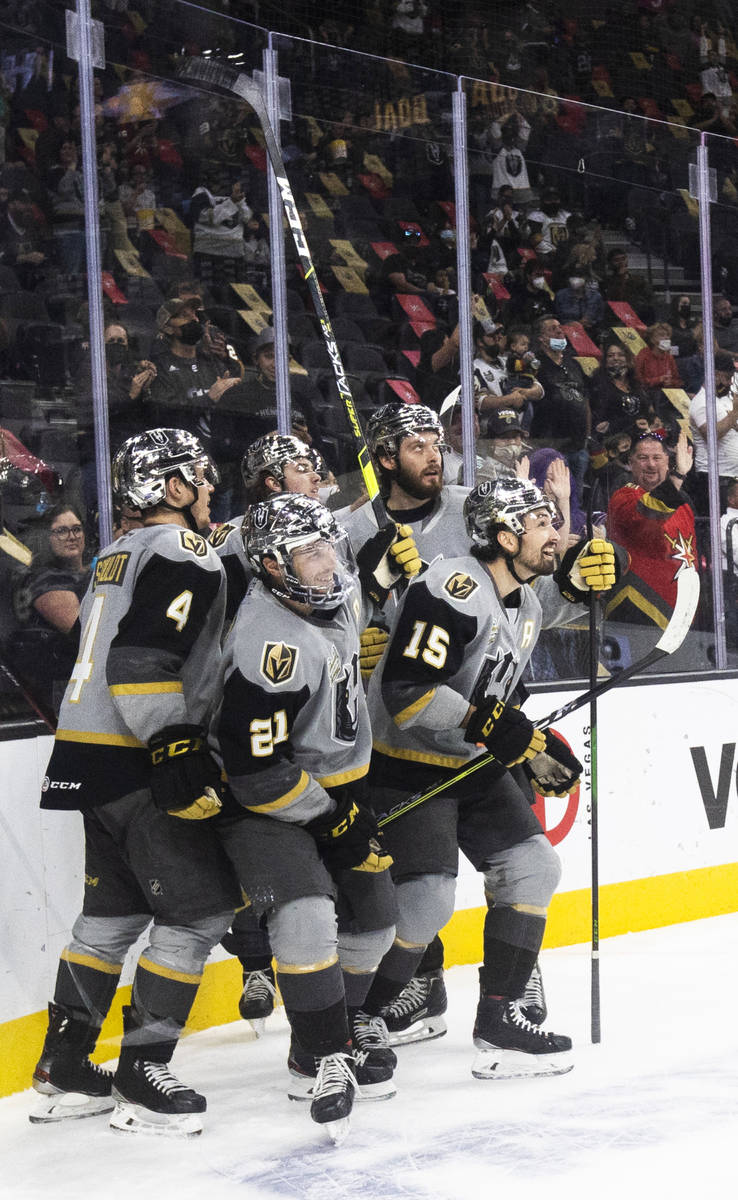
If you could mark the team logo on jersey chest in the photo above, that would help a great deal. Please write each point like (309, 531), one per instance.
(110, 569)
(189, 540)
(460, 586)
(278, 661)
(219, 535)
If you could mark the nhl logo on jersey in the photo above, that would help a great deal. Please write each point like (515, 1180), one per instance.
(460, 586)
(219, 535)
(194, 543)
(278, 662)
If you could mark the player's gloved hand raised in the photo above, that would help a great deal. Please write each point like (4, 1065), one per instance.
(371, 648)
(388, 556)
(348, 838)
(506, 733)
(586, 568)
(555, 771)
(185, 780)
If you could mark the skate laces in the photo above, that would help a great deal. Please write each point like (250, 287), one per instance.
(258, 986)
(334, 1074)
(369, 1033)
(412, 996)
(520, 1021)
(161, 1078)
(533, 994)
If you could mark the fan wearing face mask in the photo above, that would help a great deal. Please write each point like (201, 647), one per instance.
(655, 364)
(580, 301)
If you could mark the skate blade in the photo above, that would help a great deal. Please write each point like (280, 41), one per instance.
(420, 1031)
(337, 1131)
(133, 1118)
(301, 1088)
(516, 1064)
(258, 1025)
(69, 1106)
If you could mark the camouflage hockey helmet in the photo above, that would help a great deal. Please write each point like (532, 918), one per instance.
(501, 504)
(143, 463)
(391, 423)
(268, 455)
(290, 522)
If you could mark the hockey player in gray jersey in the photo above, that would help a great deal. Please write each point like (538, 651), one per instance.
(131, 753)
(272, 464)
(462, 637)
(295, 741)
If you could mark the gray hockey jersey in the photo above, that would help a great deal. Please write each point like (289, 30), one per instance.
(292, 719)
(439, 535)
(227, 543)
(149, 654)
(454, 642)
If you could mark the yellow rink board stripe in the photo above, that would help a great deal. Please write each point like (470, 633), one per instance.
(624, 908)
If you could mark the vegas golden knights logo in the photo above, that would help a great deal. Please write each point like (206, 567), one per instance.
(278, 661)
(194, 543)
(460, 586)
(219, 535)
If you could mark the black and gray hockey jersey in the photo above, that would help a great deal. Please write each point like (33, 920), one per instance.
(149, 654)
(454, 642)
(440, 534)
(292, 720)
(227, 543)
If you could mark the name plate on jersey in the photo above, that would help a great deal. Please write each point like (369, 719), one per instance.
(111, 569)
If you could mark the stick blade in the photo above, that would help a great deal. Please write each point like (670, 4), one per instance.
(688, 594)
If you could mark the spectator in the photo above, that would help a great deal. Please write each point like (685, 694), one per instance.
(621, 285)
(726, 326)
(653, 520)
(188, 383)
(716, 82)
(438, 368)
(505, 223)
(451, 418)
(619, 401)
(218, 224)
(530, 297)
(655, 364)
(730, 515)
(549, 224)
(256, 396)
(508, 168)
(580, 301)
(562, 417)
(726, 416)
(682, 327)
(548, 470)
(22, 241)
(508, 450)
(609, 466)
(408, 271)
(692, 369)
(56, 583)
(66, 195)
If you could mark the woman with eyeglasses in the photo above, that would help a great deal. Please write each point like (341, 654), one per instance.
(51, 596)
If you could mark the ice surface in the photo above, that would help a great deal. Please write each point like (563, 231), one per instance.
(650, 1112)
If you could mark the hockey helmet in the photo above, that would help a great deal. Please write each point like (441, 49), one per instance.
(391, 423)
(268, 455)
(501, 504)
(287, 524)
(143, 463)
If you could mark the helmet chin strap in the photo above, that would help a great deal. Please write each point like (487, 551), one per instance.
(510, 563)
(186, 511)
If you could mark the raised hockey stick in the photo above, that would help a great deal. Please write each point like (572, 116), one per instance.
(219, 74)
(688, 594)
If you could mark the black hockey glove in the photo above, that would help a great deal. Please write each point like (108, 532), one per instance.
(505, 732)
(555, 771)
(348, 838)
(390, 555)
(185, 781)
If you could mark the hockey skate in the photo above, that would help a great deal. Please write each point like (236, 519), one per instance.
(532, 1003)
(373, 1079)
(151, 1100)
(333, 1095)
(257, 998)
(511, 1047)
(370, 1038)
(416, 1015)
(70, 1085)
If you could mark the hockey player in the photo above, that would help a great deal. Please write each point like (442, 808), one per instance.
(294, 737)
(460, 642)
(130, 752)
(272, 464)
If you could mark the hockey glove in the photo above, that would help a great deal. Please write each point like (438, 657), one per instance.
(505, 732)
(555, 771)
(390, 555)
(371, 648)
(185, 780)
(348, 839)
(587, 567)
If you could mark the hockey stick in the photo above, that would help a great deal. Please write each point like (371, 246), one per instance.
(208, 71)
(688, 594)
(594, 832)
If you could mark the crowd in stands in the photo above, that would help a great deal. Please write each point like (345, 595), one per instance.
(579, 349)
